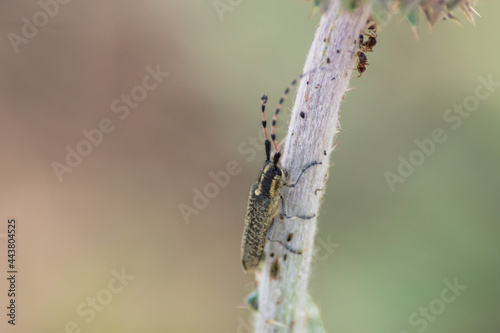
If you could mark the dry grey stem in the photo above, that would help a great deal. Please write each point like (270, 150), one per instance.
(282, 299)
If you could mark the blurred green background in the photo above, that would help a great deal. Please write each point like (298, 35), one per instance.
(119, 208)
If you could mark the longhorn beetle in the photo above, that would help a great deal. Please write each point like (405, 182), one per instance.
(265, 197)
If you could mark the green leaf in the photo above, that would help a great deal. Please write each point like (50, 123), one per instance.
(412, 16)
(252, 300)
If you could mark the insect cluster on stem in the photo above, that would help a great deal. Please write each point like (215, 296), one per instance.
(366, 46)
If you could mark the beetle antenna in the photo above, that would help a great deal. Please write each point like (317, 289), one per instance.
(282, 100)
(264, 125)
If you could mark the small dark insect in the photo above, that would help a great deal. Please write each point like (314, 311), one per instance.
(369, 44)
(361, 39)
(328, 60)
(371, 33)
(302, 114)
(362, 58)
(265, 197)
(372, 28)
(362, 62)
(361, 69)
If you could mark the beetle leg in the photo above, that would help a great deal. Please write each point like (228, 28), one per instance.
(301, 172)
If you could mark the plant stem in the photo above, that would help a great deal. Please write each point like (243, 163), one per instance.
(283, 297)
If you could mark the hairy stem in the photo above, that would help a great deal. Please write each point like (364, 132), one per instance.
(284, 304)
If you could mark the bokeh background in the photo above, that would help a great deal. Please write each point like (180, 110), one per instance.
(119, 208)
